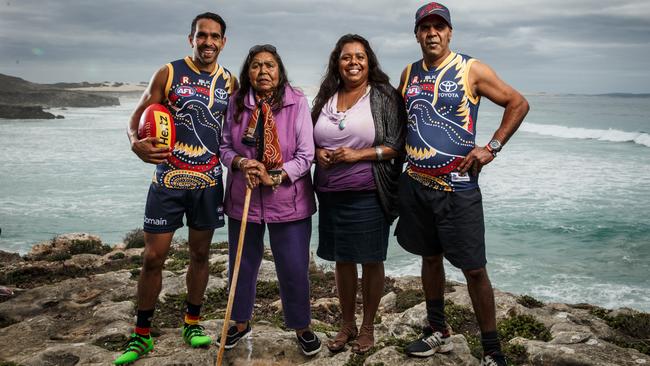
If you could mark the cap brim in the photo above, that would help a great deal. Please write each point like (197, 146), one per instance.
(432, 15)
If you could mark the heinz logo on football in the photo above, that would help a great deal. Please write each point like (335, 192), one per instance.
(156, 121)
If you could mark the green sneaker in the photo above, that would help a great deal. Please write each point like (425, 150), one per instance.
(194, 335)
(136, 347)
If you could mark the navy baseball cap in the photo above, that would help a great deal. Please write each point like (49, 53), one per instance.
(432, 9)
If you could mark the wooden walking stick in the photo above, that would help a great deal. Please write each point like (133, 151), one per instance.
(233, 282)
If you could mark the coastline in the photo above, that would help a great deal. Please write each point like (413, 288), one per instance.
(73, 299)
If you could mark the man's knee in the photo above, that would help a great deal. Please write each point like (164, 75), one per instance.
(476, 275)
(434, 261)
(200, 256)
(153, 260)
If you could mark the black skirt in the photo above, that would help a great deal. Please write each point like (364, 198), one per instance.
(352, 227)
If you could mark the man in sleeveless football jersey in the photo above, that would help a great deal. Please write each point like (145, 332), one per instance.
(187, 180)
(441, 213)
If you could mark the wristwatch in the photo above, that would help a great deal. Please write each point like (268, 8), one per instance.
(494, 146)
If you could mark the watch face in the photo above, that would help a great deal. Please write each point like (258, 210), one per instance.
(495, 145)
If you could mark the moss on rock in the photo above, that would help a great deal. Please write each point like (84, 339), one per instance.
(524, 326)
(529, 301)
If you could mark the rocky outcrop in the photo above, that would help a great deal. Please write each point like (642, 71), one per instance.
(56, 98)
(25, 112)
(81, 310)
(22, 99)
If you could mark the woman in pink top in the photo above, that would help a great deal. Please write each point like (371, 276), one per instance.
(359, 135)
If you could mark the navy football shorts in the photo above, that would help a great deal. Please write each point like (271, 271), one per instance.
(165, 208)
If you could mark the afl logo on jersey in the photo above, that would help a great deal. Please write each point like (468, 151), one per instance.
(185, 91)
(220, 93)
(413, 90)
(448, 86)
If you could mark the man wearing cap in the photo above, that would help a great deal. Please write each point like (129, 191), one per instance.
(441, 213)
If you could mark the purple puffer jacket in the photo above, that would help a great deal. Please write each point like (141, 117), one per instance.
(294, 198)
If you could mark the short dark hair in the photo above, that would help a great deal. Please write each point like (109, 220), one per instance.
(216, 17)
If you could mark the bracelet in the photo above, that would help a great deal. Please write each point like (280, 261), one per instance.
(277, 180)
(379, 152)
(241, 160)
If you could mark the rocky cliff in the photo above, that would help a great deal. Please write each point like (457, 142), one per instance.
(70, 301)
(23, 99)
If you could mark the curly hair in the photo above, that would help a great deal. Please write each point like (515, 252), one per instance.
(332, 82)
(245, 81)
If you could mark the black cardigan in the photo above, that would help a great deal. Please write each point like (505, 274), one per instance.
(389, 115)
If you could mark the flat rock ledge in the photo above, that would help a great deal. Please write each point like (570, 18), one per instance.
(71, 301)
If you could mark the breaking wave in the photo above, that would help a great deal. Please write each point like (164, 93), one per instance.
(611, 135)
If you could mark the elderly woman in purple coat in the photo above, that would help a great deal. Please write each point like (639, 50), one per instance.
(267, 145)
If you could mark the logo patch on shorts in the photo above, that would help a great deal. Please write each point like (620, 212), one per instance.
(457, 177)
(157, 222)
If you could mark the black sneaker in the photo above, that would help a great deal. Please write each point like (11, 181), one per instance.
(309, 343)
(494, 359)
(430, 343)
(234, 336)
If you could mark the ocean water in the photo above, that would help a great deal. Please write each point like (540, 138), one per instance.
(567, 202)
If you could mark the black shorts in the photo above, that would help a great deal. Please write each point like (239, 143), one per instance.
(165, 208)
(433, 222)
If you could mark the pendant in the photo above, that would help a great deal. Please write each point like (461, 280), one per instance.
(342, 124)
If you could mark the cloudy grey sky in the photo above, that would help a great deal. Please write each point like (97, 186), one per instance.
(555, 46)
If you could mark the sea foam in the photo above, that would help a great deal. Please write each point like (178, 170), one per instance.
(612, 135)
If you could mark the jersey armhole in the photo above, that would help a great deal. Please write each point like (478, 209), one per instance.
(406, 79)
(170, 77)
(474, 99)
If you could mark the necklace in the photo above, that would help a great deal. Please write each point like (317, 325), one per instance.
(342, 123)
(347, 105)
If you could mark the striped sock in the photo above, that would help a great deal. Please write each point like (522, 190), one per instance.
(192, 314)
(191, 319)
(145, 332)
(143, 322)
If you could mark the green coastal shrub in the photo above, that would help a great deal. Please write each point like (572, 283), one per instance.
(268, 290)
(460, 318)
(219, 246)
(134, 239)
(634, 329)
(406, 299)
(116, 256)
(217, 268)
(90, 246)
(523, 326)
(529, 302)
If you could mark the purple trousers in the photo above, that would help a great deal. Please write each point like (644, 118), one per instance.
(290, 247)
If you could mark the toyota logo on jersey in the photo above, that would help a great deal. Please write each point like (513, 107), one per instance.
(220, 93)
(448, 86)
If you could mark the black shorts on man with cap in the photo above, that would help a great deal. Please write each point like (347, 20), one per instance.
(434, 222)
